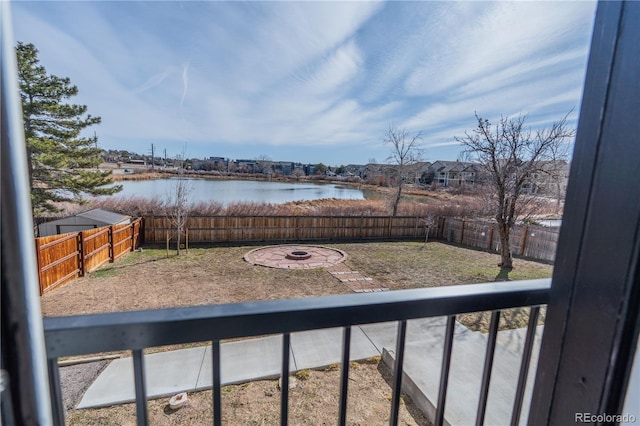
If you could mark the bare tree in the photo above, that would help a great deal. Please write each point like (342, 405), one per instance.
(264, 165)
(405, 153)
(511, 155)
(297, 173)
(557, 169)
(177, 202)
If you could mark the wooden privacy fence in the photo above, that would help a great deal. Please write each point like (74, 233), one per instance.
(535, 242)
(62, 258)
(232, 229)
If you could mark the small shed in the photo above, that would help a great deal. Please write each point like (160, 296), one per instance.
(95, 218)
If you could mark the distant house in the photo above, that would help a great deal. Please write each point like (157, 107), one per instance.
(246, 166)
(95, 218)
(550, 179)
(284, 167)
(453, 173)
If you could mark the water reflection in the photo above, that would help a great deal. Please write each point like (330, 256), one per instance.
(232, 191)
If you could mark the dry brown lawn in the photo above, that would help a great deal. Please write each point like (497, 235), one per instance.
(150, 280)
(313, 401)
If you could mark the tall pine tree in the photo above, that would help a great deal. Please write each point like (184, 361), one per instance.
(62, 163)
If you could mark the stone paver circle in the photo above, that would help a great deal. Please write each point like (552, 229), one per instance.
(289, 256)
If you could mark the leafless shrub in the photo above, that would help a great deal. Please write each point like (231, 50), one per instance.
(132, 206)
(462, 206)
(207, 208)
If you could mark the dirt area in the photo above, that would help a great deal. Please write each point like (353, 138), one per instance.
(313, 401)
(150, 280)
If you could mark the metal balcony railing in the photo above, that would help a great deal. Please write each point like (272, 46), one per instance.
(135, 331)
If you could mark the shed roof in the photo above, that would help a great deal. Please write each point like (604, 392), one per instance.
(104, 216)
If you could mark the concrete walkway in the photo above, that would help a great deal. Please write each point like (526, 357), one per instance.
(168, 373)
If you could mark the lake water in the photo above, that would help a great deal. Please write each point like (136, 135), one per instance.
(232, 191)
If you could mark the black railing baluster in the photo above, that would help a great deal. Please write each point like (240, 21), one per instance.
(217, 398)
(344, 379)
(141, 394)
(524, 365)
(397, 374)
(69, 336)
(488, 365)
(56, 392)
(444, 371)
(284, 382)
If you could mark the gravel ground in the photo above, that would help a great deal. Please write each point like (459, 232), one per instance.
(75, 379)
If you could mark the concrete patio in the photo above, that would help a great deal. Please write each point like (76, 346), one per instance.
(168, 373)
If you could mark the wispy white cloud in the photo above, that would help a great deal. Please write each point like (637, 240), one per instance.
(185, 83)
(153, 81)
(310, 78)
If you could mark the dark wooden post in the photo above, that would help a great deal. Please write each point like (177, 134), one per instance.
(152, 228)
(80, 244)
(132, 225)
(462, 233)
(112, 253)
(490, 239)
(39, 261)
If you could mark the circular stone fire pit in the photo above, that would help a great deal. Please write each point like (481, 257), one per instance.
(298, 255)
(295, 257)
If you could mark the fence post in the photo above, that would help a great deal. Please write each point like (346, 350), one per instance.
(390, 226)
(112, 254)
(523, 240)
(462, 233)
(152, 228)
(490, 242)
(39, 261)
(132, 225)
(80, 244)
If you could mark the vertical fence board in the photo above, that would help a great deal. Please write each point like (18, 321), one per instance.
(60, 260)
(63, 258)
(96, 248)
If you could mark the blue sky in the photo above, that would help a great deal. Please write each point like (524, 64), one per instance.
(309, 81)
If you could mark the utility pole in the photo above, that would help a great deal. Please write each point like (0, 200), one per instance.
(165, 157)
(153, 159)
